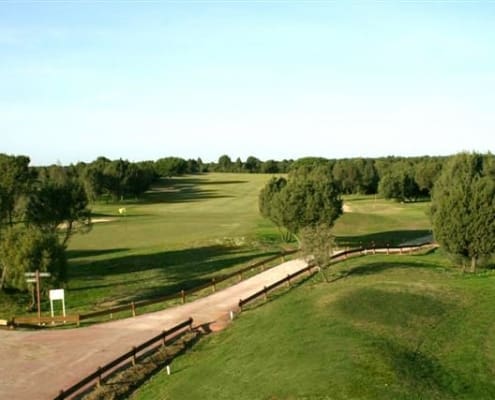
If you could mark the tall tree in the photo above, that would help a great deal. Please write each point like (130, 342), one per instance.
(26, 250)
(16, 179)
(462, 208)
(310, 197)
(224, 163)
(59, 203)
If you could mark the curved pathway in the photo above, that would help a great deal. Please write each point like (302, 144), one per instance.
(37, 364)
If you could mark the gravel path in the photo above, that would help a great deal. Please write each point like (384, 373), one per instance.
(37, 364)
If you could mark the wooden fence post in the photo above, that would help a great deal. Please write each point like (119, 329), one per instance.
(388, 249)
(133, 356)
(98, 382)
(239, 275)
(133, 309)
(164, 339)
(183, 296)
(265, 294)
(214, 284)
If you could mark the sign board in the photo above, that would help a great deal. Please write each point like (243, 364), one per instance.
(57, 294)
(31, 280)
(41, 274)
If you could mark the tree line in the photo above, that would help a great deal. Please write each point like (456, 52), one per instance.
(307, 202)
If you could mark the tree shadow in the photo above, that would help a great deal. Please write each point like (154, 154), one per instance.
(382, 239)
(425, 375)
(73, 254)
(180, 190)
(164, 272)
(369, 268)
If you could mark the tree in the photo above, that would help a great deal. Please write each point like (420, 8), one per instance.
(309, 197)
(252, 165)
(270, 203)
(317, 243)
(462, 208)
(270, 167)
(16, 179)
(224, 163)
(27, 249)
(171, 166)
(398, 183)
(59, 200)
(426, 173)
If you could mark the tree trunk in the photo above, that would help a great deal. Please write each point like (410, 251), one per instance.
(68, 233)
(324, 275)
(473, 264)
(3, 277)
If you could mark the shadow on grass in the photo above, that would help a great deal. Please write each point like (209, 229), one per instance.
(424, 375)
(72, 254)
(382, 239)
(180, 190)
(162, 273)
(377, 267)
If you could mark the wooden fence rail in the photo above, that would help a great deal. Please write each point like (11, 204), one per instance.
(310, 269)
(98, 375)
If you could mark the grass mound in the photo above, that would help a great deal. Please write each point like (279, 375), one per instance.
(411, 330)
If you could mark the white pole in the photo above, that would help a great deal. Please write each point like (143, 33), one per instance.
(168, 369)
(51, 307)
(63, 306)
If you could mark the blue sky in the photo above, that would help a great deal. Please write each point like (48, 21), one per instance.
(274, 79)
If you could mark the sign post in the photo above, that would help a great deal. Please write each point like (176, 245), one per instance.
(34, 277)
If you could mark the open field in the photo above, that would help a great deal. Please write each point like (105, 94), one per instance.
(393, 327)
(368, 218)
(187, 230)
(178, 236)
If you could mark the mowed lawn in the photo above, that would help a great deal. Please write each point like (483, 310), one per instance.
(369, 219)
(181, 233)
(392, 327)
(189, 229)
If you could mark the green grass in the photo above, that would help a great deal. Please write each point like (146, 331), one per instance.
(182, 233)
(393, 327)
(373, 219)
(187, 230)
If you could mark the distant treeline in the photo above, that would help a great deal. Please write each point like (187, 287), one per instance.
(402, 178)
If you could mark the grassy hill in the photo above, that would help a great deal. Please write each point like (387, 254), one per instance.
(392, 327)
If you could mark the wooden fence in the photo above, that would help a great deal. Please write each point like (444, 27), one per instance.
(99, 374)
(133, 306)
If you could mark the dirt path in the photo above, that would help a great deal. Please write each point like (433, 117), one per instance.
(37, 364)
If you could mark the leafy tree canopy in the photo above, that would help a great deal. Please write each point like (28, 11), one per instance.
(309, 197)
(463, 207)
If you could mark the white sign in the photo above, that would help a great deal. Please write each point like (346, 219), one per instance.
(57, 294)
